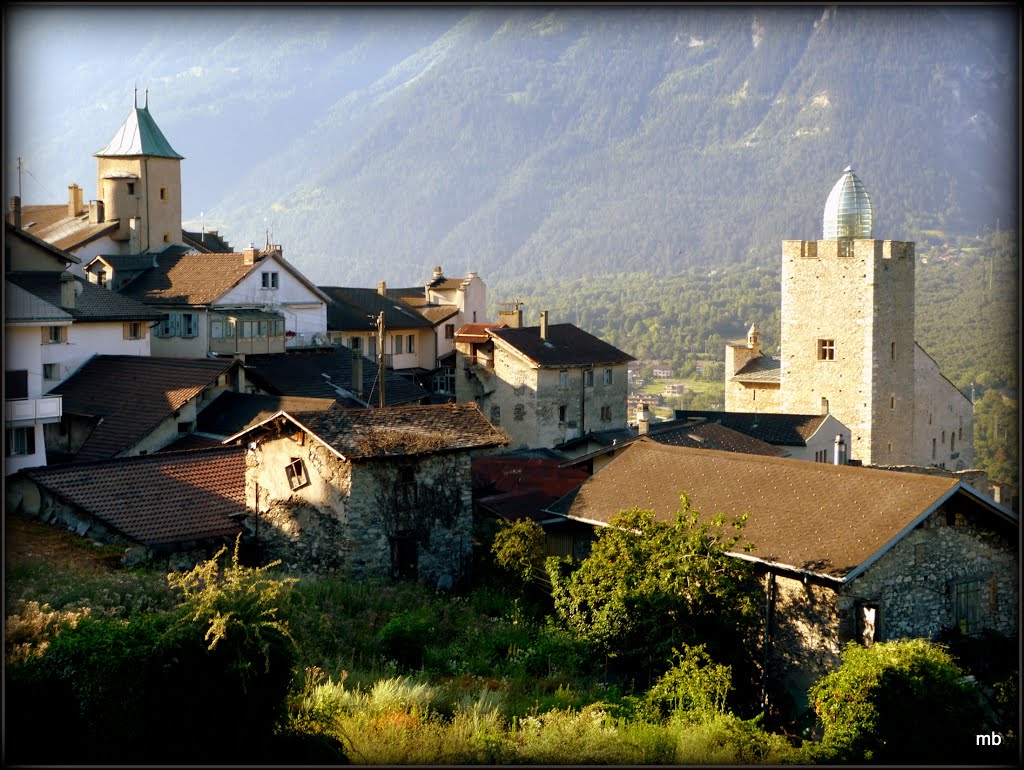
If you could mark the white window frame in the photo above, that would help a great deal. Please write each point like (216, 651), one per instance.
(269, 279)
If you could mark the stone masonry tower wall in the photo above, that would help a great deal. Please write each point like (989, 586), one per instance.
(848, 340)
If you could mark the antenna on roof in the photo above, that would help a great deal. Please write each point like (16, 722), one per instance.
(147, 98)
(136, 96)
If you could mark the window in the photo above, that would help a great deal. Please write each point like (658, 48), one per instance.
(967, 605)
(357, 343)
(404, 556)
(184, 427)
(269, 280)
(607, 376)
(296, 473)
(952, 442)
(50, 372)
(496, 415)
(396, 344)
(410, 343)
(821, 456)
(563, 379)
(892, 351)
(933, 448)
(16, 384)
(189, 325)
(55, 335)
(131, 188)
(163, 192)
(449, 331)
(217, 330)
(606, 414)
(562, 411)
(21, 441)
(277, 327)
(588, 378)
(264, 329)
(519, 413)
(167, 237)
(892, 402)
(134, 330)
(405, 489)
(943, 438)
(826, 350)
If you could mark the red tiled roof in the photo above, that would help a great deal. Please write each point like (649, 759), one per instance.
(132, 395)
(813, 517)
(396, 431)
(476, 332)
(160, 499)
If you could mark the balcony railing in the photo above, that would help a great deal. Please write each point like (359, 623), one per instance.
(32, 410)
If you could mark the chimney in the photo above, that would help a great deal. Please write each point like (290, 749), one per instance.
(754, 341)
(15, 216)
(67, 291)
(839, 457)
(240, 384)
(357, 373)
(74, 200)
(543, 324)
(643, 418)
(437, 272)
(382, 288)
(511, 315)
(249, 254)
(135, 235)
(95, 212)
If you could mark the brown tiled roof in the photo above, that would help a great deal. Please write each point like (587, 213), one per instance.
(231, 413)
(437, 313)
(566, 345)
(813, 517)
(760, 369)
(189, 279)
(39, 217)
(773, 428)
(400, 431)
(301, 373)
(132, 395)
(92, 302)
(476, 332)
(160, 499)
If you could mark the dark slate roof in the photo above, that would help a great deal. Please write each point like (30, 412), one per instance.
(139, 135)
(712, 436)
(208, 241)
(400, 431)
(133, 395)
(356, 309)
(231, 412)
(128, 262)
(779, 429)
(300, 373)
(566, 345)
(92, 302)
(162, 499)
(760, 369)
(818, 518)
(189, 279)
(25, 308)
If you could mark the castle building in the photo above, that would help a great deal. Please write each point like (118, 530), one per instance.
(848, 349)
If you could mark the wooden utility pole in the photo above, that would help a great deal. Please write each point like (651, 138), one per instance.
(380, 358)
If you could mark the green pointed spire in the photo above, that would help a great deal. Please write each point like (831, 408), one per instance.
(139, 135)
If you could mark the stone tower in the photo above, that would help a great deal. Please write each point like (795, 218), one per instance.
(138, 179)
(848, 328)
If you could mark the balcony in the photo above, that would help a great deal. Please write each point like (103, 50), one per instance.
(28, 411)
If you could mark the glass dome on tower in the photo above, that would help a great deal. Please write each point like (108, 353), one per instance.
(848, 211)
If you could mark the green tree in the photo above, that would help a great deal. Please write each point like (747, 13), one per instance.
(519, 548)
(901, 701)
(649, 587)
(995, 437)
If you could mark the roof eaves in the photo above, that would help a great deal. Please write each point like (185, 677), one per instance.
(283, 413)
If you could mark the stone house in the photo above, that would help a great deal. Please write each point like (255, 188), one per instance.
(175, 508)
(542, 384)
(848, 349)
(370, 493)
(846, 553)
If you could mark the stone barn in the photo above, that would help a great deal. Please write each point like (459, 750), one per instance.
(370, 493)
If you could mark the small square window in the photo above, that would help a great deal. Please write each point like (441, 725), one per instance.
(449, 331)
(588, 378)
(826, 350)
(131, 188)
(21, 441)
(163, 192)
(184, 427)
(296, 473)
(269, 280)
(563, 379)
(606, 414)
(50, 372)
(167, 237)
(55, 335)
(607, 376)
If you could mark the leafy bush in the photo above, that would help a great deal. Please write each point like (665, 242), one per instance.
(901, 701)
(693, 683)
(519, 548)
(405, 636)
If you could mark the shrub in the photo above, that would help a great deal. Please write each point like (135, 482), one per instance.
(896, 701)
(519, 548)
(405, 636)
(693, 683)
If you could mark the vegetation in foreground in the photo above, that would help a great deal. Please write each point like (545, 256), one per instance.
(228, 663)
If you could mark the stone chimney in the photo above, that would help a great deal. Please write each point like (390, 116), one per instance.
(438, 273)
(511, 314)
(382, 288)
(95, 212)
(14, 217)
(543, 324)
(67, 291)
(754, 341)
(839, 456)
(74, 200)
(357, 373)
(643, 418)
(249, 254)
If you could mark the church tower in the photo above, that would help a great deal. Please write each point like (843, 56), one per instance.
(848, 328)
(138, 179)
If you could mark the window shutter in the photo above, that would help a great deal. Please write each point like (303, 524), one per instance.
(46, 334)
(126, 331)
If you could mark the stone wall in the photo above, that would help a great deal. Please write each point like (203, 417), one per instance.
(345, 517)
(943, 420)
